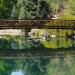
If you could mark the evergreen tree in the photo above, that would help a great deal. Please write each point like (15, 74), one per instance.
(31, 9)
(6, 8)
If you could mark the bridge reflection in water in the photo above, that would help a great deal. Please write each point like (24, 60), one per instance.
(48, 53)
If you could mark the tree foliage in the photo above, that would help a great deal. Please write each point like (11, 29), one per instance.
(6, 8)
(30, 9)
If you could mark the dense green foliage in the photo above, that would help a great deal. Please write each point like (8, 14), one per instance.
(30, 9)
(39, 9)
(6, 8)
(20, 42)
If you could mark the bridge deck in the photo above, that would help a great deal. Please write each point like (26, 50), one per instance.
(41, 24)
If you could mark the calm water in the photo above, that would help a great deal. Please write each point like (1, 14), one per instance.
(51, 66)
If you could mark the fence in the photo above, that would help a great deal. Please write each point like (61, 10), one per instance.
(41, 24)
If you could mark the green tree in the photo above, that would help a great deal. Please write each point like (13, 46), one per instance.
(6, 8)
(31, 9)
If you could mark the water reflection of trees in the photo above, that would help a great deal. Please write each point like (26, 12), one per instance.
(42, 66)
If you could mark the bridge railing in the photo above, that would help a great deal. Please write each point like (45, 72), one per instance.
(41, 24)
